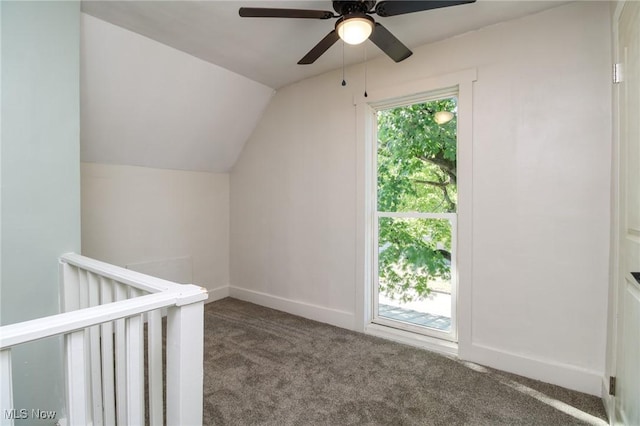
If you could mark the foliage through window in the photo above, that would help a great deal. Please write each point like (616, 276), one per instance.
(416, 165)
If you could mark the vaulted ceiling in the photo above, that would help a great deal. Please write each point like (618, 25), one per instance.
(143, 103)
(266, 50)
(182, 84)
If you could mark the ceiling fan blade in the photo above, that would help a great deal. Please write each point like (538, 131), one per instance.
(395, 7)
(263, 12)
(389, 44)
(319, 48)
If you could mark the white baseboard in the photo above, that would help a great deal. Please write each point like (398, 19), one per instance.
(218, 293)
(549, 371)
(314, 312)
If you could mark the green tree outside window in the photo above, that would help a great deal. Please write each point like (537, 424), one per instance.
(416, 173)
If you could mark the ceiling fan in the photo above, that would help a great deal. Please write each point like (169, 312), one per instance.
(354, 24)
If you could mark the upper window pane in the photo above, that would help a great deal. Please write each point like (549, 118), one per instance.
(417, 157)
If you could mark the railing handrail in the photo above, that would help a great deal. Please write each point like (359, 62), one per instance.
(40, 328)
(125, 276)
(163, 294)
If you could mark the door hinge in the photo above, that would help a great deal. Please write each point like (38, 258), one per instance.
(612, 386)
(617, 73)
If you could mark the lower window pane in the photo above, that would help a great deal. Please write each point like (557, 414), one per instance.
(414, 271)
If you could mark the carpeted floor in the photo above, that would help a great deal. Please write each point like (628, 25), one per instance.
(265, 367)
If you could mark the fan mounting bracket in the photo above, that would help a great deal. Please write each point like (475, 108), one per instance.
(353, 7)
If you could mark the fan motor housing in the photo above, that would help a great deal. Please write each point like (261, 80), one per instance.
(353, 7)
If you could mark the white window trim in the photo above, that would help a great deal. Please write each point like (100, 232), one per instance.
(462, 81)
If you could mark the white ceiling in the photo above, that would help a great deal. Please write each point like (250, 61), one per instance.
(267, 50)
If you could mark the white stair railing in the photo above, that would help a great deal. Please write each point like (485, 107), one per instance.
(104, 311)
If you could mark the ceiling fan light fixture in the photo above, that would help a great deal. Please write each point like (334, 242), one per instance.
(355, 30)
(442, 117)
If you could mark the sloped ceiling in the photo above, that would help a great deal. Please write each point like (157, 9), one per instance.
(182, 84)
(267, 50)
(146, 104)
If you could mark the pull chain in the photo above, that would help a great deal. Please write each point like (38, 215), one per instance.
(344, 83)
(365, 70)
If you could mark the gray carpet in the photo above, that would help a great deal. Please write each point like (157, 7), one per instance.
(265, 367)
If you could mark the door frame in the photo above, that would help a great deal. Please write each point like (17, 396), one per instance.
(614, 240)
(617, 273)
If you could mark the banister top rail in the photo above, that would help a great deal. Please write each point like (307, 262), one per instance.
(164, 294)
(125, 276)
(28, 331)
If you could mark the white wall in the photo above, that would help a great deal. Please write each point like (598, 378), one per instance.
(147, 104)
(136, 215)
(541, 157)
(40, 216)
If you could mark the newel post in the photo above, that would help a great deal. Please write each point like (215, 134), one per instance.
(185, 345)
(6, 387)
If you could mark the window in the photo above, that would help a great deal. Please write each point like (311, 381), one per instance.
(414, 279)
(429, 221)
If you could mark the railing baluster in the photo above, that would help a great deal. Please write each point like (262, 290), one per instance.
(154, 355)
(135, 370)
(70, 287)
(108, 385)
(134, 292)
(76, 381)
(83, 296)
(94, 353)
(83, 288)
(94, 289)
(121, 367)
(185, 328)
(6, 387)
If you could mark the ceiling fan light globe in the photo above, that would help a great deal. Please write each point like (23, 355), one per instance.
(355, 30)
(442, 117)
